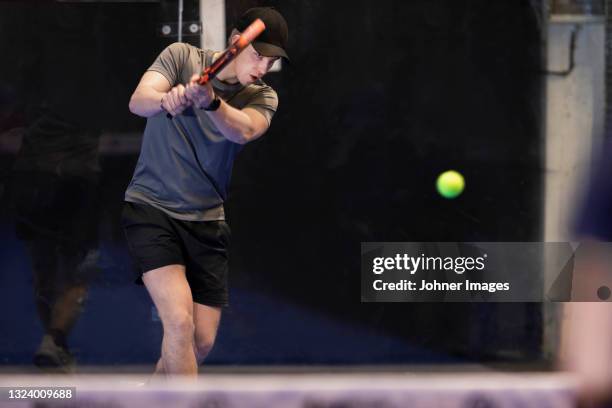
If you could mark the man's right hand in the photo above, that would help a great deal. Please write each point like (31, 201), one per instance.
(174, 101)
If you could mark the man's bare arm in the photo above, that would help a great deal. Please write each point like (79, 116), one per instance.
(238, 126)
(154, 92)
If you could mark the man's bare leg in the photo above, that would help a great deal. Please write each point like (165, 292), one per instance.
(206, 320)
(171, 294)
(159, 368)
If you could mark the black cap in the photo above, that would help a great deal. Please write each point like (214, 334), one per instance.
(273, 41)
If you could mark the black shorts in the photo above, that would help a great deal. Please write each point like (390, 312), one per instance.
(156, 239)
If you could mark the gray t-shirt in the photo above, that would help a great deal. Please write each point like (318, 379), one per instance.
(185, 163)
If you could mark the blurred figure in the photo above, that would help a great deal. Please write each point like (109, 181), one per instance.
(53, 192)
(586, 343)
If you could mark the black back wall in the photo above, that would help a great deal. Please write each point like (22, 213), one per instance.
(382, 97)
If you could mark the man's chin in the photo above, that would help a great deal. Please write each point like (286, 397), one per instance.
(249, 80)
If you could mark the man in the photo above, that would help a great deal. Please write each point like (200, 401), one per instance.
(173, 216)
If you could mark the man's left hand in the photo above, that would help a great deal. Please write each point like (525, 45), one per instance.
(200, 95)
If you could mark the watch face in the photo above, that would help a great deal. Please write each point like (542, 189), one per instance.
(214, 105)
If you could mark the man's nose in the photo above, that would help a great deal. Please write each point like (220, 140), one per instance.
(262, 68)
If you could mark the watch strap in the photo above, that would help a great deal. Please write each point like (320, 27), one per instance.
(214, 105)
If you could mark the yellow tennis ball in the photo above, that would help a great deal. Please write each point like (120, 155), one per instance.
(450, 184)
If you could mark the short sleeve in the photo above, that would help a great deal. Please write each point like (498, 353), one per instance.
(265, 101)
(170, 62)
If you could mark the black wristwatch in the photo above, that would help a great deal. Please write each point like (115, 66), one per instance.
(214, 105)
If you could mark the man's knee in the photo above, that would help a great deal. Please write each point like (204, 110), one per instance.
(202, 346)
(179, 324)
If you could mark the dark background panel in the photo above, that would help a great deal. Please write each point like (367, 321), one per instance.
(379, 101)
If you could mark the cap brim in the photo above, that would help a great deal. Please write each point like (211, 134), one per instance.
(269, 50)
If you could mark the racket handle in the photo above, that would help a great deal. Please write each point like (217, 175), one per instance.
(204, 78)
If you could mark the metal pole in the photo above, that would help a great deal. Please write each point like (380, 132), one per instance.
(180, 21)
(212, 16)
